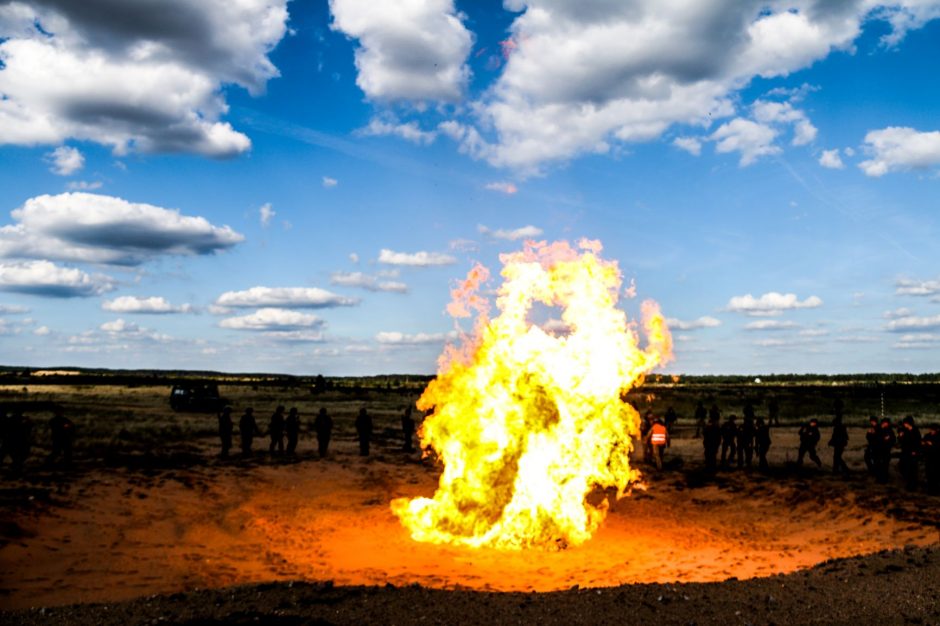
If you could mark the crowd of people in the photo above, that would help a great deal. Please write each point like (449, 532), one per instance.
(739, 444)
(727, 444)
(281, 428)
(16, 439)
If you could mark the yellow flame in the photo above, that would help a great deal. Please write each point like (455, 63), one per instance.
(527, 423)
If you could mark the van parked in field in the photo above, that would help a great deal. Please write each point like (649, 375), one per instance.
(200, 397)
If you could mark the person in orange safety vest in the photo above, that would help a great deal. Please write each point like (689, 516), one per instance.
(658, 439)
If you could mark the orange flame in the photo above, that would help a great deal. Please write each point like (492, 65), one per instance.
(527, 423)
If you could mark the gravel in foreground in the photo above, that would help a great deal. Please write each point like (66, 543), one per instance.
(893, 587)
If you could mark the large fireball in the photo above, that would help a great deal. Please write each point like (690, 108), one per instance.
(528, 418)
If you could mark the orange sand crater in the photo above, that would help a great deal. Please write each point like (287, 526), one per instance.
(120, 535)
(350, 536)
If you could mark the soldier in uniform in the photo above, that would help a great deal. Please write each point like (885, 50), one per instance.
(226, 427)
(729, 436)
(276, 431)
(746, 440)
(838, 442)
(407, 430)
(931, 452)
(364, 431)
(62, 430)
(886, 441)
(773, 413)
(323, 426)
(711, 439)
(671, 418)
(909, 441)
(248, 430)
(292, 428)
(762, 442)
(871, 444)
(700, 415)
(809, 439)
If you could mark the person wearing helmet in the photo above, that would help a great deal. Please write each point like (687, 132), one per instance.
(871, 444)
(886, 441)
(226, 428)
(729, 436)
(838, 442)
(276, 431)
(931, 453)
(909, 441)
(711, 438)
(809, 439)
(762, 443)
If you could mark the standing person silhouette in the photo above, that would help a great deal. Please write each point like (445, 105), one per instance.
(276, 431)
(746, 441)
(364, 431)
(408, 429)
(729, 436)
(226, 427)
(773, 413)
(700, 415)
(62, 430)
(711, 439)
(292, 428)
(762, 443)
(809, 438)
(838, 442)
(248, 430)
(323, 426)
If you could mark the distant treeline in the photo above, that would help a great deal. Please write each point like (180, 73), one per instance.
(96, 376)
(764, 379)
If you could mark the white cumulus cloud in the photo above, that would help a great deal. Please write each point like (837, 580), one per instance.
(770, 325)
(44, 278)
(367, 281)
(66, 160)
(701, 322)
(84, 185)
(895, 149)
(918, 341)
(913, 322)
(398, 338)
(771, 303)
(136, 76)
(104, 229)
(830, 159)
(583, 77)
(409, 131)
(415, 259)
(689, 144)
(266, 213)
(911, 287)
(152, 304)
(515, 234)
(751, 139)
(282, 297)
(413, 50)
(272, 319)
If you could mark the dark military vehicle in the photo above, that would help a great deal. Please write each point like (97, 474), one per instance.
(198, 397)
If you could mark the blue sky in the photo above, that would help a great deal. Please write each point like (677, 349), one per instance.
(296, 186)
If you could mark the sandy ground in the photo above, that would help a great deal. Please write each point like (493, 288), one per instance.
(106, 535)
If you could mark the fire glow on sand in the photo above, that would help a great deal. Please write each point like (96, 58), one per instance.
(528, 417)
